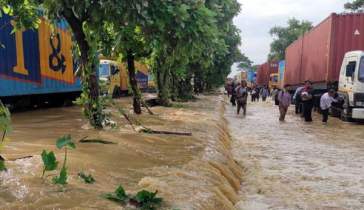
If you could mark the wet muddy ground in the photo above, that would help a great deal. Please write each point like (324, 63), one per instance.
(295, 165)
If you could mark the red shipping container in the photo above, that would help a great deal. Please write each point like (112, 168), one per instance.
(265, 70)
(318, 55)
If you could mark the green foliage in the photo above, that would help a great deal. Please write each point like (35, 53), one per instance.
(62, 178)
(118, 195)
(148, 200)
(144, 199)
(2, 166)
(245, 64)
(285, 36)
(49, 161)
(65, 141)
(4, 129)
(88, 179)
(356, 6)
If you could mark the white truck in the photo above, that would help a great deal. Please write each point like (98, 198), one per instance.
(351, 86)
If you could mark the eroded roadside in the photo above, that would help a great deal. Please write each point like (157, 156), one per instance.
(195, 172)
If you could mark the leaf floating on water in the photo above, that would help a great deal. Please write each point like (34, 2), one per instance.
(88, 179)
(118, 195)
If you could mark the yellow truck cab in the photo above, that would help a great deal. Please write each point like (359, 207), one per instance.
(273, 80)
(109, 72)
(115, 76)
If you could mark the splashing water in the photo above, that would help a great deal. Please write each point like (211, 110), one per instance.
(295, 165)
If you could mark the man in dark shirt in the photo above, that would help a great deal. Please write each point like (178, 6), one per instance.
(308, 102)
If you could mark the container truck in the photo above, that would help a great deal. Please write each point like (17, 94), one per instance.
(273, 80)
(36, 67)
(241, 76)
(114, 74)
(265, 70)
(331, 56)
(251, 79)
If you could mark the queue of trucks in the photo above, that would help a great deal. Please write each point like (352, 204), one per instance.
(37, 67)
(331, 55)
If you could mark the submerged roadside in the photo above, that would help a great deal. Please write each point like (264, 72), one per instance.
(190, 172)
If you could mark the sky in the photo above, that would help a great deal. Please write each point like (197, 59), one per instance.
(258, 16)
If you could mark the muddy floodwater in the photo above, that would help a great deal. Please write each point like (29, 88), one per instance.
(295, 165)
(230, 162)
(190, 172)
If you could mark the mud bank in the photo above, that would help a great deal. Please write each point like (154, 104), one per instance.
(195, 172)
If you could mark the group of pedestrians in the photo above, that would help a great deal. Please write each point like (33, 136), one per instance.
(304, 100)
(256, 93)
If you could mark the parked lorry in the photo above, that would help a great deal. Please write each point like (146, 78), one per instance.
(252, 79)
(36, 67)
(331, 56)
(264, 71)
(241, 76)
(273, 80)
(113, 73)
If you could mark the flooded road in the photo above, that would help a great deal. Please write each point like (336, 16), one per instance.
(190, 172)
(295, 165)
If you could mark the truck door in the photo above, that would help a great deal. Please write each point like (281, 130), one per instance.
(346, 83)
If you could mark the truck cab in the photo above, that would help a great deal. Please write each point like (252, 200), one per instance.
(109, 72)
(351, 86)
(273, 80)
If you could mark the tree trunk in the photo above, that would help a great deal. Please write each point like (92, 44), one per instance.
(133, 82)
(162, 84)
(93, 86)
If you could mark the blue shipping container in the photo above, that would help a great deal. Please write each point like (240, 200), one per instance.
(34, 62)
(282, 66)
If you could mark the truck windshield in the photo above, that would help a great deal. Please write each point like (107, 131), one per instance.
(275, 79)
(361, 70)
(104, 70)
(150, 77)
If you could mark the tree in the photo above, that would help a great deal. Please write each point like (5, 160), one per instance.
(356, 6)
(214, 74)
(285, 36)
(245, 64)
(189, 33)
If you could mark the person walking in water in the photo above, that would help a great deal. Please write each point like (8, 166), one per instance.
(264, 93)
(284, 98)
(298, 100)
(326, 104)
(274, 93)
(308, 101)
(253, 93)
(242, 97)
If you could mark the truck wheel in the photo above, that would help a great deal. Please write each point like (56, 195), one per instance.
(67, 103)
(345, 113)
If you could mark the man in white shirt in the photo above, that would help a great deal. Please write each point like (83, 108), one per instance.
(325, 103)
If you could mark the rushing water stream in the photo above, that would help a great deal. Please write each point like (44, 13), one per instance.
(295, 165)
(195, 172)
